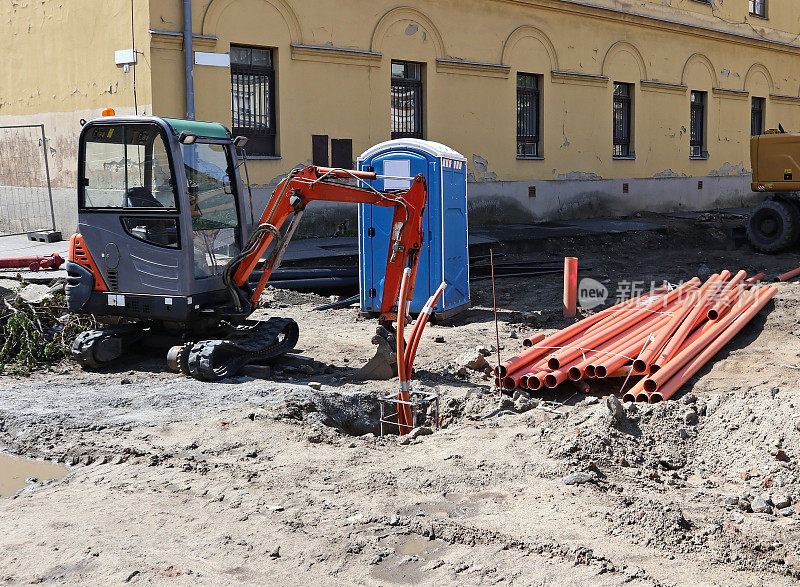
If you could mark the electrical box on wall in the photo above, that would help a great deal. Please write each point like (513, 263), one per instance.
(445, 252)
(125, 57)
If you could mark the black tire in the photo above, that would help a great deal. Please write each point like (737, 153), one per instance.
(773, 226)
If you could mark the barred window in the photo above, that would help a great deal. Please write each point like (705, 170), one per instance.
(758, 8)
(622, 119)
(697, 125)
(406, 105)
(253, 98)
(528, 115)
(757, 117)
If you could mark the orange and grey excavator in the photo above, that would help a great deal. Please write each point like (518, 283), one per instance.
(165, 254)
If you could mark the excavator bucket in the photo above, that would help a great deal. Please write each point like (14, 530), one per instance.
(383, 365)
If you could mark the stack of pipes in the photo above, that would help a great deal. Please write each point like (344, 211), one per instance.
(662, 338)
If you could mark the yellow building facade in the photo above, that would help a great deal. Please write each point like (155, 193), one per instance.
(525, 89)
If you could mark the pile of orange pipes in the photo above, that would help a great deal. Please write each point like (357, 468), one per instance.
(659, 339)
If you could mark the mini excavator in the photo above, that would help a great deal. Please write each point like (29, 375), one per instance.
(165, 254)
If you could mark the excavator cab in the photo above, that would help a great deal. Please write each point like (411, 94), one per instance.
(160, 214)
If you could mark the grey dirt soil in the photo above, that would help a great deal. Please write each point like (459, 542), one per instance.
(273, 481)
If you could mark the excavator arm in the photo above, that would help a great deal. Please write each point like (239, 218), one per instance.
(290, 198)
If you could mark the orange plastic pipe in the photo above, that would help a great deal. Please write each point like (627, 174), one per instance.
(623, 371)
(525, 358)
(702, 339)
(727, 296)
(788, 275)
(720, 340)
(570, 286)
(628, 319)
(620, 345)
(631, 347)
(641, 364)
(536, 338)
(755, 279)
(688, 324)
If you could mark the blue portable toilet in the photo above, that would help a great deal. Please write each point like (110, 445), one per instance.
(445, 252)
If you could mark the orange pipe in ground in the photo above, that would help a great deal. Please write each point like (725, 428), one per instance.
(788, 275)
(404, 415)
(570, 286)
(717, 342)
(688, 324)
(699, 340)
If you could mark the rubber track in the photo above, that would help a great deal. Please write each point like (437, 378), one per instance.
(84, 344)
(212, 360)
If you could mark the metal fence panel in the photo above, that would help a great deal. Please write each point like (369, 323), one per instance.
(26, 199)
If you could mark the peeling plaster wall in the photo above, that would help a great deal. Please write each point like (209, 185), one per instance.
(58, 67)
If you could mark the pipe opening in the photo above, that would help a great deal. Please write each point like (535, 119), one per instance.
(628, 397)
(639, 366)
(534, 382)
(600, 372)
(654, 369)
(642, 397)
(550, 380)
(508, 383)
(712, 315)
(522, 382)
(574, 373)
(650, 385)
(655, 398)
(589, 371)
(553, 363)
(501, 371)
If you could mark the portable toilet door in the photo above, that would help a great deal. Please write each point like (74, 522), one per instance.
(444, 255)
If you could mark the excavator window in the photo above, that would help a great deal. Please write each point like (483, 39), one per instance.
(213, 205)
(126, 166)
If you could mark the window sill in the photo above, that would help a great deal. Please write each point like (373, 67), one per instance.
(264, 157)
(529, 158)
(762, 17)
(624, 158)
(698, 157)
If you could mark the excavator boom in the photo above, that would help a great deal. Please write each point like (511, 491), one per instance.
(311, 183)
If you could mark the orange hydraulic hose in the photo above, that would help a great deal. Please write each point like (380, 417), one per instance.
(696, 344)
(570, 286)
(788, 275)
(628, 319)
(688, 324)
(419, 326)
(404, 415)
(727, 296)
(716, 343)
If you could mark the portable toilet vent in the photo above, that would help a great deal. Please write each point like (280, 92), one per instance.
(445, 252)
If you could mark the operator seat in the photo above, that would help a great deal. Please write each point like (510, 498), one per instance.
(141, 197)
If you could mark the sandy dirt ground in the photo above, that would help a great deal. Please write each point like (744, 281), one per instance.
(272, 482)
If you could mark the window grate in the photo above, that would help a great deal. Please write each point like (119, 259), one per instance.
(757, 117)
(622, 119)
(406, 104)
(253, 98)
(527, 115)
(697, 122)
(758, 8)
